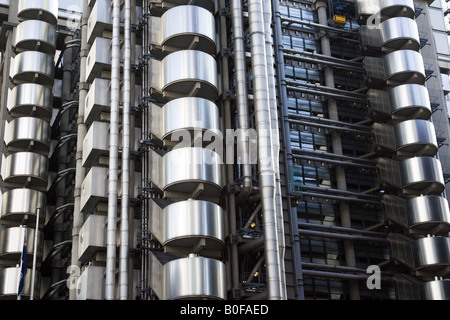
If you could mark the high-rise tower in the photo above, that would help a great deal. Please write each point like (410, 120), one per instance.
(224, 149)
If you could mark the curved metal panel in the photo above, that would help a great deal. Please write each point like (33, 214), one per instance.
(18, 203)
(31, 99)
(46, 10)
(185, 168)
(186, 224)
(410, 101)
(11, 243)
(189, 73)
(416, 138)
(194, 29)
(428, 213)
(33, 67)
(28, 134)
(194, 278)
(26, 169)
(404, 66)
(387, 8)
(400, 33)
(35, 35)
(158, 7)
(433, 254)
(189, 113)
(9, 282)
(437, 290)
(422, 175)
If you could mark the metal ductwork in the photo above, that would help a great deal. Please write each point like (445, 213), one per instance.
(186, 220)
(406, 143)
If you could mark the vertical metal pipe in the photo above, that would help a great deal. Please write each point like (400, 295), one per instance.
(241, 93)
(33, 270)
(298, 287)
(81, 134)
(125, 204)
(267, 174)
(341, 181)
(267, 12)
(234, 257)
(113, 156)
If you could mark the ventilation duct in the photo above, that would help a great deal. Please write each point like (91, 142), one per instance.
(20, 203)
(32, 67)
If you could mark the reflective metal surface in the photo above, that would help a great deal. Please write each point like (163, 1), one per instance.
(26, 169)
(99, 58)
(94, 188)
(433, 255)
(194, 278)
(387, 8)
(187, 114)
(190, 226)
(91, 284)
(17, 203)
(31, 99)
(422, 175)
(194, 29)
(28, 134)
(35, 35)
(437, 290)
(11, 243)
(410, 101)
(46, 10)
(158, 7)
(9, 282)
(33, 67)
(185, 168)
(189, 73)
(419, 215)
(404, 66)
(96, 143)
(416, 138)
(400, 33)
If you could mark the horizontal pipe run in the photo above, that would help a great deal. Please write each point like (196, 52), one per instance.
(335, 197)
(321, 154)
(342, 192)
(330, 127)
(340, 275)
(340, 236)
(337, 123)
(324, 62)
(319, 88)
(349, 63)
(333, 162)
(341, 229)
(319, 26)
(327, 94)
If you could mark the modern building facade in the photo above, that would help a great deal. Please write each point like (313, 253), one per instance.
(227, 149)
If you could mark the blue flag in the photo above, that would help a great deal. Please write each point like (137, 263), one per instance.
(23, 263)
